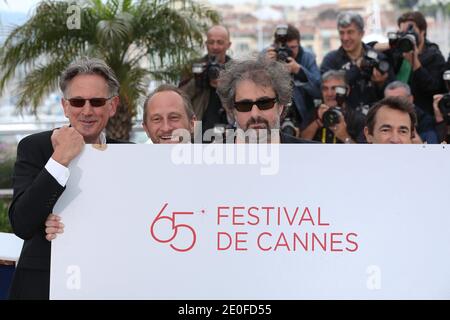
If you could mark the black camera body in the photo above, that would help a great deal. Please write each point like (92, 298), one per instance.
(444, 103)
(204, 72)
(332, 116)
(370, 61)
(444, 107)
(281, 48)
(404, 41)
(291, 120)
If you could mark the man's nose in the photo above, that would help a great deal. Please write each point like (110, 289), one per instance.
(255, 110)
(395, 138)
(87, 108)
(165, 126)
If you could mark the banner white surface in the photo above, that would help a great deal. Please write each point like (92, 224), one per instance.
(311, 222)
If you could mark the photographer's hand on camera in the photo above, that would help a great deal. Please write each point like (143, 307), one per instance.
(437, 112)
(310, 131)
(271, 54)
(293, 66)
(320, 111)
(441, 123)
(340, 131)
(413, 58)
(378, 77)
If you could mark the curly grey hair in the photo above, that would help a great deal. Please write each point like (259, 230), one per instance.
(262, 72)
(88, 65)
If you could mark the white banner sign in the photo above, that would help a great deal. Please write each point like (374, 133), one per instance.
(280, 222)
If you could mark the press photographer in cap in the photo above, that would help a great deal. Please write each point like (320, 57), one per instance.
(305, 76)
(334, 122)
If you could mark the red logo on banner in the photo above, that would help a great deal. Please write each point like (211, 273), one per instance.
(174, 229)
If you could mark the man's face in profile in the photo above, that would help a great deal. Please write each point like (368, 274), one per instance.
(165, 114)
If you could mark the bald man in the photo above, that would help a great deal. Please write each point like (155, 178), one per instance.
(201, 88)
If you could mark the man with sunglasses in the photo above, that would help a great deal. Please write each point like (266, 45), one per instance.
(255, 93)
(90, 91)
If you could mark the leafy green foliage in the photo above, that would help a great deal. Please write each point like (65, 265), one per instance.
(140, 40)
(4, 221)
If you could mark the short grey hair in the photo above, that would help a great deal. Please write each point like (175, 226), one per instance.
(87, 65)
(168, 87)
(398, 84)
(345, 19)
(263, 72)
(334, 74)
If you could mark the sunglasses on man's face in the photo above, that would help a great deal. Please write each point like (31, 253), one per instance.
(262, 104)
(94, 102)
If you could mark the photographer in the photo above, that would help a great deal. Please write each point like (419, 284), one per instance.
(367, 71)
(304, 71)
(441, 108)
(335, 122)
(416, 60)
(425, 127)
(201, 88)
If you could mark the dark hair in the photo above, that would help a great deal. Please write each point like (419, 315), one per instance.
(292, 33)
(168, 87)
(396, 103)
(87, 65)
(414, 16)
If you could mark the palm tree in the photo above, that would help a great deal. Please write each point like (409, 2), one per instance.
(138, 39)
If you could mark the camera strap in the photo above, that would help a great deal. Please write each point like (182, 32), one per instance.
(405, 71)
(324, 136)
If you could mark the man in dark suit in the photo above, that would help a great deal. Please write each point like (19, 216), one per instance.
(90, 91)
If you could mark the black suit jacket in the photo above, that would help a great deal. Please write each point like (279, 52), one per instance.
(35, 194)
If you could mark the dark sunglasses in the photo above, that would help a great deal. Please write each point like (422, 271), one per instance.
(247, 105)
(80, 102)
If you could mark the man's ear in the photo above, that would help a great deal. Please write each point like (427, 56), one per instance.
(114, 105)
(144, 125)
(192, 124)
(281, 109)
(65, 106)
(368, 136)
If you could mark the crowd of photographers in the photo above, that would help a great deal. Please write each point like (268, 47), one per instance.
(331, 103)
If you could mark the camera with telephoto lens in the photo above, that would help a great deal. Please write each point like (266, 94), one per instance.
(370, 61)
(206, 71)
(404, 41)
(332, 116)
(282, 49)
(444, 103)
(291, 121)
